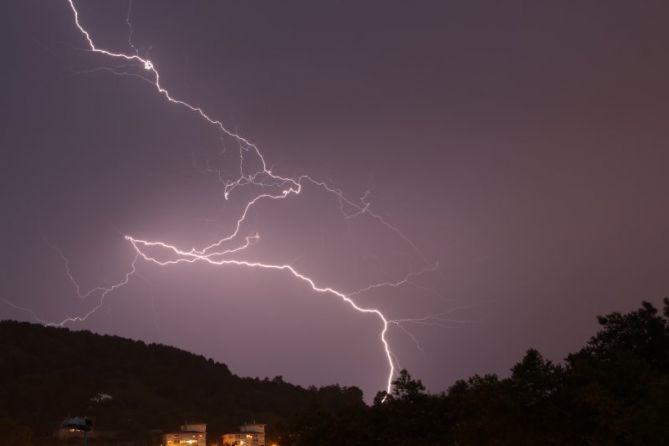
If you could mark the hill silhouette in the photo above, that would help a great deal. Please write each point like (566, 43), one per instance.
(130, 387)
(613, 391)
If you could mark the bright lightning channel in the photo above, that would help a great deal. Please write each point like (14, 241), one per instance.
(264, 177)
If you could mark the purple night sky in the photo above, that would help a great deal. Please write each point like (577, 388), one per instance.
(522, 145)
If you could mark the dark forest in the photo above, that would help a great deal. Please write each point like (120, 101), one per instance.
(613, 391)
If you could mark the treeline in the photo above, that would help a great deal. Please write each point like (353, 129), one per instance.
(614, 391)
(48, 374)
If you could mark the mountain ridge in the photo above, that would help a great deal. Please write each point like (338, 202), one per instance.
(52, 373)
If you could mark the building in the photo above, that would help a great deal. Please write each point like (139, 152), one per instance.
(77, 427)
(191, 434)
(248, 435)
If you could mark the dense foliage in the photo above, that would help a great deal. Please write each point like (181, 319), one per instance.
(48, 374)
(614, 391)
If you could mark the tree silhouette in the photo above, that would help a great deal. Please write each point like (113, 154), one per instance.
(613, 391)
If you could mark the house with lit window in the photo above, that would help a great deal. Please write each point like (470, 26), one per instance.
(190, 434)
(248, 435)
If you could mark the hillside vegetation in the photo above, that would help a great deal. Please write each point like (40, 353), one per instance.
(48, 374)
(613, 391)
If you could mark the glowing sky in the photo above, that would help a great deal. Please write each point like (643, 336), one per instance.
(524, 147)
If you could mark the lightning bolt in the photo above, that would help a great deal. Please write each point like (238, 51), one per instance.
(264, 177)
